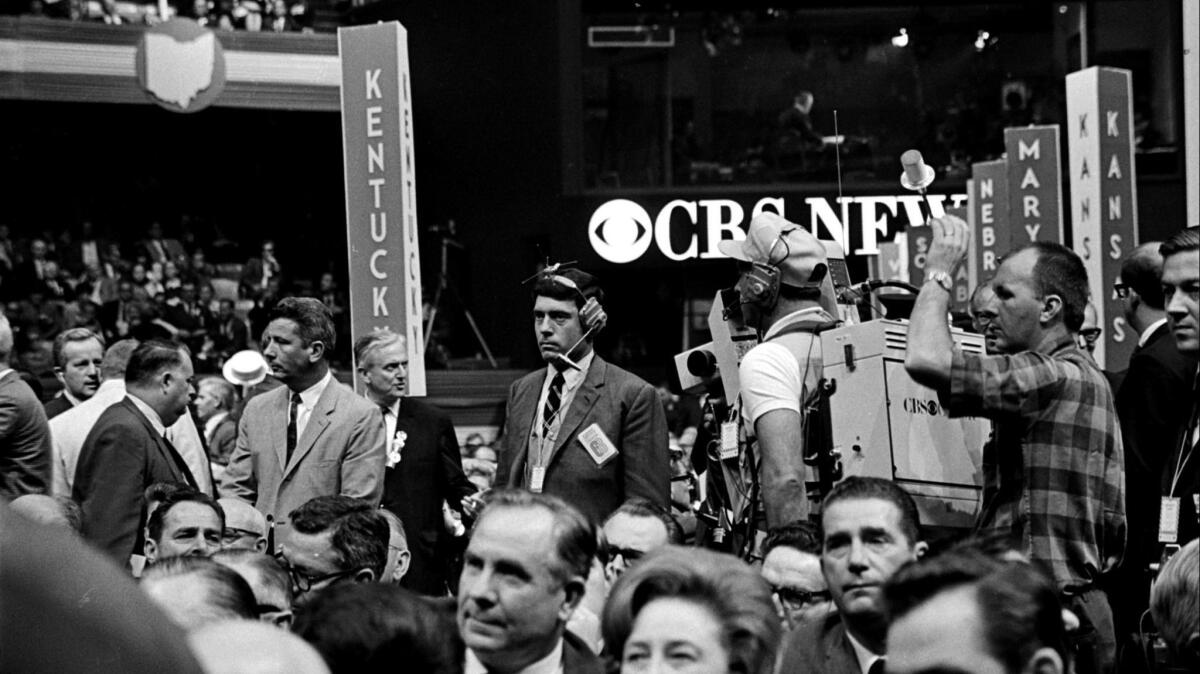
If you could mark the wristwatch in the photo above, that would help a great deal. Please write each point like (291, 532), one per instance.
(941, 278)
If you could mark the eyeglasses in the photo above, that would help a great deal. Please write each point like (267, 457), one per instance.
(629, 555)
(1091, 335)
(303, 582)
(1121, 291)
(232, 534)
(794, 598)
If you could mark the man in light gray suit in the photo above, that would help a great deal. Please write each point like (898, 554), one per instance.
(311, 437)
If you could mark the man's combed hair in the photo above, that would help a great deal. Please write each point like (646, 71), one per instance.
(1018, 606)
(1059, 271)
(587, 287)
(394, 524)
(360, 533)
(373, 341)
(1183, 241)
(858, 488)
(116, 359)
(1141, 272)
(151, 358)
(640, 507)
(226, 594)
(72, 335)
(576, 537)
(798, 535)
(313, 320)
(359, 627)
(270, 572)
(154, 525)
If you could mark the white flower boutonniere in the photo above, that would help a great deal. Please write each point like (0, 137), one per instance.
(397, 445)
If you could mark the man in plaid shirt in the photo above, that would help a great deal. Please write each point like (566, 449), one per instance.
(1059, 479)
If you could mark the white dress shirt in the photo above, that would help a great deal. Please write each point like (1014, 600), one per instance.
(572, 379)
(391, 417)
(308, 402)
(1145, 336)
(863, 654)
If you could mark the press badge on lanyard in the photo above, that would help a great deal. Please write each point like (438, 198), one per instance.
(537, 479)
(1168, 520)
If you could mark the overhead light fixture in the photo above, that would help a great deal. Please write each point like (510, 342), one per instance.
(900, 39)
(983, 40)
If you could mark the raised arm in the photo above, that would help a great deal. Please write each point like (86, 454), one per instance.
(930, 347)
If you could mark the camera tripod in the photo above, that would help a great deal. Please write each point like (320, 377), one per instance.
(445, 284)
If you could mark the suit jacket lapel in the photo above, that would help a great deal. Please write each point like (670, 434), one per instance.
(317, 421)
(581, 404)
(522, 416)
(174, 461)
(277, 433)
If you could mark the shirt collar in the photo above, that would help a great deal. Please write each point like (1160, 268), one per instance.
(551, 664)
(572, 377)
(310, 395)
(148, 411)
(863, 654)
(1145, 336)
(74, 401)
(794, 317)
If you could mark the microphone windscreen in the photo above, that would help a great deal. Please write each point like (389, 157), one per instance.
(914, 166)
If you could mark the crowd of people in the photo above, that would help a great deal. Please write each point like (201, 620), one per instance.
(157, 286)
(270, 518)
(250, 15)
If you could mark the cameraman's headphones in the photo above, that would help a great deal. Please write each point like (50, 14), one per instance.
(762, 280)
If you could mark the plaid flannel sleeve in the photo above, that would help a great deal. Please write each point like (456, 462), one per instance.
(1002, 385)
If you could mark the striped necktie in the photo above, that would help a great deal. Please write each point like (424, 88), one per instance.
(553, 401)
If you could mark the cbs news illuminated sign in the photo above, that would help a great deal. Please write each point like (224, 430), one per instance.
(622, 230)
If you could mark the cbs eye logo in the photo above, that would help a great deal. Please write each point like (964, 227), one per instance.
(620, 231)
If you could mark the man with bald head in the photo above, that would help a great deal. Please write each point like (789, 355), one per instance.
(245, 527)
(238, 646)
(49, 510)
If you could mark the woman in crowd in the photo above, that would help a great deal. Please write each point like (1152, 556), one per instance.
(693, 610)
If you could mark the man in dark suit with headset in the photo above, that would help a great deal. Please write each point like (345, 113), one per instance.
(783, 269)
(581, 428)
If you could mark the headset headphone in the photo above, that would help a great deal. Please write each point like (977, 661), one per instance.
(761, 282)
(591, 315)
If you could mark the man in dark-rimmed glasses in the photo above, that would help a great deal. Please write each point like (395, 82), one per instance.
(792, 566)
(633, 530)
(245, 526)
(333, 539)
